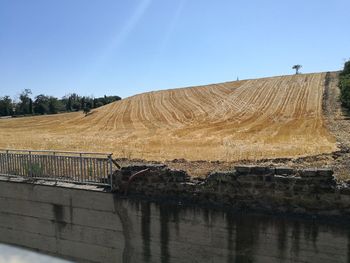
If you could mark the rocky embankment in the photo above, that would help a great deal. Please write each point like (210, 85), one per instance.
(312, 192)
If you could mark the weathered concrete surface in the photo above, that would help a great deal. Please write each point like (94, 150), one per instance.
(93, 226)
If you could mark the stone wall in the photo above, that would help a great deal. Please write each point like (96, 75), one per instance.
(272, 189)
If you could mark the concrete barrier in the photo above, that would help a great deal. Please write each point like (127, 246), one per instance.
(95, 226)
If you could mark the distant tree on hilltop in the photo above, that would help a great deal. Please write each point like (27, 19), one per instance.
(297, 67)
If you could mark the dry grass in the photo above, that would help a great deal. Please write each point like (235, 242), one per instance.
(252, 119)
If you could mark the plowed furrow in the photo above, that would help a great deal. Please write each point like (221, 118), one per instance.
(258, 118)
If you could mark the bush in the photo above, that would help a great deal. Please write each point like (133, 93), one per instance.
(344, 85)
(346, 70)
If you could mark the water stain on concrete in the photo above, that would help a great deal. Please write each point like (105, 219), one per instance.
(296, 235)
(118, 229)
(247, 234)
(60, 223)
(164, 233)
(282, 237)
(230, 237)
(348, 246)
(146, 230)
(122, 213)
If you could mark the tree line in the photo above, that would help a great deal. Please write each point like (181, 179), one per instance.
(344, 85)
(44, 104)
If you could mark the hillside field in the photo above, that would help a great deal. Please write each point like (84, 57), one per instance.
(250, 119)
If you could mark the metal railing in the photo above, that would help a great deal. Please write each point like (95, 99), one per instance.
(76, 167)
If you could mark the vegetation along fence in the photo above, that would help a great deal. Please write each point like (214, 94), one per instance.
(85, 168)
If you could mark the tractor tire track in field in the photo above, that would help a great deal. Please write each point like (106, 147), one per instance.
(250, 119)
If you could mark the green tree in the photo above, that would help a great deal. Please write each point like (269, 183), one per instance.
(86, 109)
(75, 102)
(54, 105)
(25, 104)
(69, 104)
(344, 85)
(44, 104)
(98, 102)
(41, 104)
(346, 70)
(6, 106)
(297, 67)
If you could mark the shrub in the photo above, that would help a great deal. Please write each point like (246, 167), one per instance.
(344, 85)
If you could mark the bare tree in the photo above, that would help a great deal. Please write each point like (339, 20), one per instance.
(297, 67)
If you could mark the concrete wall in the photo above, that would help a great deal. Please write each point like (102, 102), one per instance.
(93, 226)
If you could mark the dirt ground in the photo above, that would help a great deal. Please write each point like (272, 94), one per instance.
(337, 121)
(273, 121)
(241, 120)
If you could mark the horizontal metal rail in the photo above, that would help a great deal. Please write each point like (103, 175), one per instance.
(55, 152)
(76, 167)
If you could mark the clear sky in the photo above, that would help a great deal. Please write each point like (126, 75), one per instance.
(119, 47)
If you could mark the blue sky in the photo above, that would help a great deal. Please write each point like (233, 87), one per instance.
(126, 47)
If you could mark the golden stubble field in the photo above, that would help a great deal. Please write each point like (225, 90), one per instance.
(250, 119)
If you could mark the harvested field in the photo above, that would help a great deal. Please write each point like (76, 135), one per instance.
(251, 119)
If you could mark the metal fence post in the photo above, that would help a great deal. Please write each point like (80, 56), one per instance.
(8, 162)
(30, 164)
(55, 175)
(111, 170)
(81, 168)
